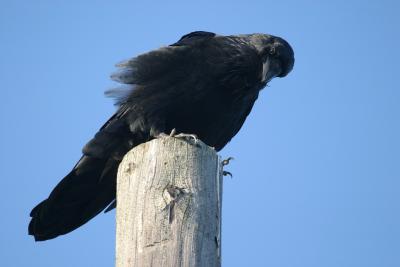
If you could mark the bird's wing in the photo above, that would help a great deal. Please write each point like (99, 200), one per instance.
(156, 64)
(147, 79)
(110, 137)
(192, 37)
(200, 70)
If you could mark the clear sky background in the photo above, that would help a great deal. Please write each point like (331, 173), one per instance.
(317, 170)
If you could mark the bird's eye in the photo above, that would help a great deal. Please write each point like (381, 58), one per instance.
(272, 51)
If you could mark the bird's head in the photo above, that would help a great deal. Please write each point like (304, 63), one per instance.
(277, 55)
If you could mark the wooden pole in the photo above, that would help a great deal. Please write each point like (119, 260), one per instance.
(169, 194)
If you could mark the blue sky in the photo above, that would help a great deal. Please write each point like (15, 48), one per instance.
(317, 170)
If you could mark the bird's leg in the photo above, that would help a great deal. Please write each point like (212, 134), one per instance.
(224, 163)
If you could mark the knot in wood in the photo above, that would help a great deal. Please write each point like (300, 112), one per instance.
(173, 193)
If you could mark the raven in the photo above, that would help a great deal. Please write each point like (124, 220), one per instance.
(204, 84)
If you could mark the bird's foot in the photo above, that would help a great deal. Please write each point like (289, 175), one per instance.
(226, 173)
(188, 136)
(164, 135)
(224, 163)
(184, 136)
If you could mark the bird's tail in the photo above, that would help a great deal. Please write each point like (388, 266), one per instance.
(87, 190)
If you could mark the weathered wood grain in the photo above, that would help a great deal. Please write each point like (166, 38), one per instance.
(169, 195)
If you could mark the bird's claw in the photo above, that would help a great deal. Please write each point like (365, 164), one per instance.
(164, 135)
(172, 133)
(226, 161)
(184, 135)
(225, 173)
(181, 135)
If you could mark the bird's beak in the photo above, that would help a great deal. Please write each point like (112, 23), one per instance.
(268, 73)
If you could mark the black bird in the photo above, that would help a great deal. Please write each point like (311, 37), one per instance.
(204, 84)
